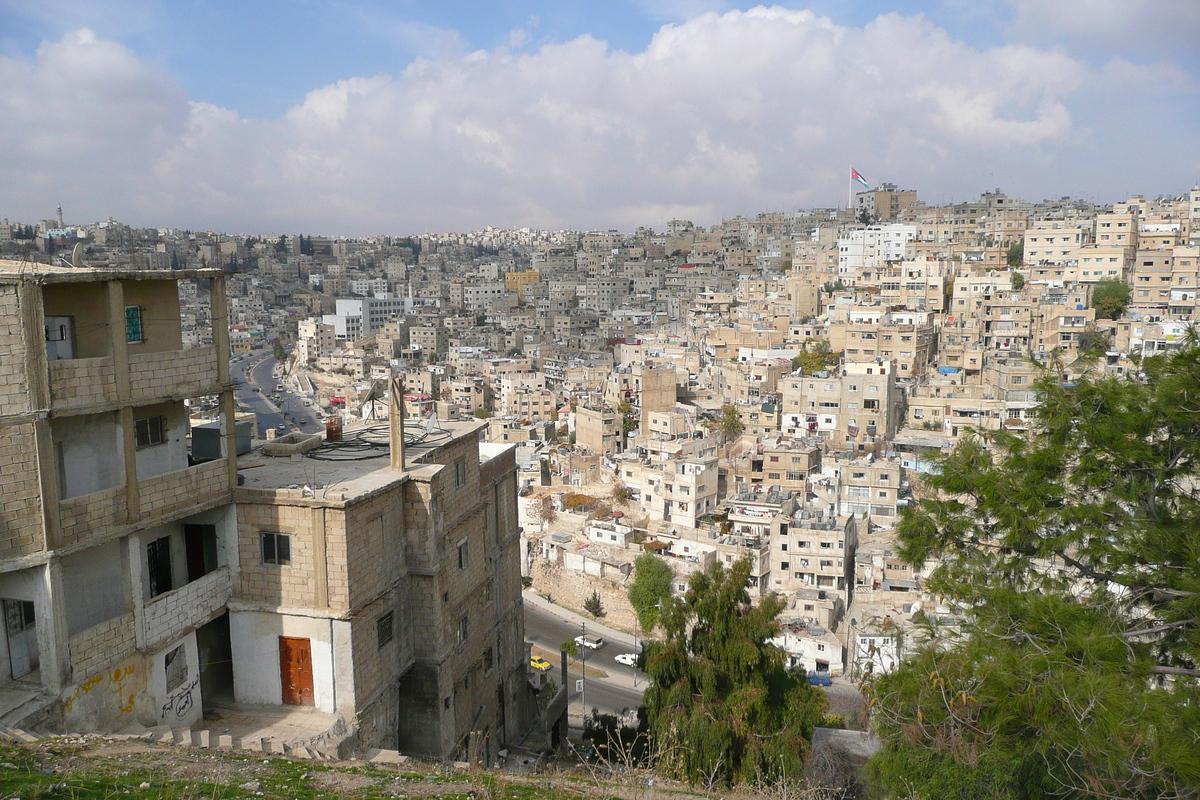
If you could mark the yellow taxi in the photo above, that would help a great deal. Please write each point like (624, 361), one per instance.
(539, 663)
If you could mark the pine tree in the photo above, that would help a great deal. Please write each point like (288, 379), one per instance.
(1071, 554)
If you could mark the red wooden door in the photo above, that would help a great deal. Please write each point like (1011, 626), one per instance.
(295, 670)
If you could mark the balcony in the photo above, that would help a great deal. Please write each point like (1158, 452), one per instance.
(77, 383)
(172, 373)
(173, 493)
(92, 514)
(187, 607)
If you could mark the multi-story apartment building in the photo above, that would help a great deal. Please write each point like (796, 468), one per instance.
(869, 486)
(859, 404)
(815, 550)
(397, 591)
(119, 548)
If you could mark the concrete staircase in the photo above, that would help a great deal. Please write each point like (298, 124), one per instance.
(205, 739)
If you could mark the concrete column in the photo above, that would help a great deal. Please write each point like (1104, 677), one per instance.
(48, 483)
(133, 504)
(320, 559)
(33, 333)
(219, 310)
(396, 420)
(118, 343)
(137, 569)
(54, 643)
(228, 409)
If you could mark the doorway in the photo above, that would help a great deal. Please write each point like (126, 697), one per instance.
(20, 626)
(216, 662)
(295, 671)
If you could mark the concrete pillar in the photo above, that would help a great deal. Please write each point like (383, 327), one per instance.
(320, 559)
(48, 483)
(396, 421)
(118, 344)
(54, 643)
(219, 311)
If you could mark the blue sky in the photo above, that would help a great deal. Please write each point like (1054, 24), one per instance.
(363, 117)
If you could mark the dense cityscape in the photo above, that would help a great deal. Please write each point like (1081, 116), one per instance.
(443, 488)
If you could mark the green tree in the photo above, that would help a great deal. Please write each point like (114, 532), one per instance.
(621, 495)
(278, 352)
(817, 355)
(628, 417)
(1018, 280)
(722, 706)
(281, 244)
(593, 605)
(1110, 297)
(1093, 341)
(731, 426)
(1071, 553)
(1016, 255)
(482, 413)
(652, 578)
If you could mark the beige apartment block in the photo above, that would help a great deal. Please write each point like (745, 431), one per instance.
(815, 551)
(869, 486)
(401, 587)
(117, 534)
(778, 464)
(1055, 241)
(858, 404)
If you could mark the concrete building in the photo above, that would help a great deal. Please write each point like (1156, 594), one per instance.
(119, 551)
(401, 588)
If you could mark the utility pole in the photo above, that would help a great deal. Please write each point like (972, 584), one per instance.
(583, 682)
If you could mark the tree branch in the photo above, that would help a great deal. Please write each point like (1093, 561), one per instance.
(1192, 673)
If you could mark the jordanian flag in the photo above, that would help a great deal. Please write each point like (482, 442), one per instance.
(854, 176)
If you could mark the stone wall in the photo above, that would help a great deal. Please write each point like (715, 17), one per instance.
(21, 531)
(172, 373)
(14, 385)
(175, 492)
(92, 515)
(102, 646)
(571, 589)
(186, 607)
(82, 382)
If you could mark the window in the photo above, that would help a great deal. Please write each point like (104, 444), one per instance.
(462, 554)
(783, 547)
(460, 473)
(488, 660)
(150, 431)
(384, 629)
(462, 629)
(175, 665)
(134, 333)
(158, 559)
(783, 565)
(276, 549)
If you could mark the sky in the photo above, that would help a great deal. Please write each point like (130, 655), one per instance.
(362, 117)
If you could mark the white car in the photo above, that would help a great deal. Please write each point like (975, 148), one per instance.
(590, 642)
(628, 659)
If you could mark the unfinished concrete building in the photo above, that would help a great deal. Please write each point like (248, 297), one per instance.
(117, 534)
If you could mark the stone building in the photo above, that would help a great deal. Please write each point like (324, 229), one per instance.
(117, 551)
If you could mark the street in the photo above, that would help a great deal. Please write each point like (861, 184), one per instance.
(613, 694)
(254, 370)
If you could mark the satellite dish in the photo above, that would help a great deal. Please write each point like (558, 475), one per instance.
(77, 255)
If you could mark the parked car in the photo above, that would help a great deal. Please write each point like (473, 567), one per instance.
(820, 679)
(539, 663)
(590, 642)
(628, 659)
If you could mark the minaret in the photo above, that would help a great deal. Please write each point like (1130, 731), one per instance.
(61, 224)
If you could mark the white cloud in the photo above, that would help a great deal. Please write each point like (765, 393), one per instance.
(722, 114)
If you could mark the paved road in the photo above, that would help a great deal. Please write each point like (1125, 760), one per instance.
(255, 371)
(613, 694)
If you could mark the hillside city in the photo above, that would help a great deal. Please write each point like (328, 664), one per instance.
(266, 469)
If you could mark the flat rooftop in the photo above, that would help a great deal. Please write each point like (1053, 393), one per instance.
(17, 271)
(360, 464)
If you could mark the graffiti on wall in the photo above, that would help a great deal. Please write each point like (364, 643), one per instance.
(113, 680)
(180, 702)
